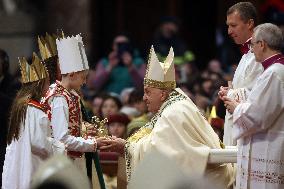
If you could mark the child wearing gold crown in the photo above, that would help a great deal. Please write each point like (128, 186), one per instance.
(28, 132)
(64, 101)
(49, 55)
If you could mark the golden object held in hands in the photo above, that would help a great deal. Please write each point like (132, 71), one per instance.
(102, 130)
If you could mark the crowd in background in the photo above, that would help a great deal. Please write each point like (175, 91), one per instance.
(114, 86)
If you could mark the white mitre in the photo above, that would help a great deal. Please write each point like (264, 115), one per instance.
(71, 54)
(160, 74)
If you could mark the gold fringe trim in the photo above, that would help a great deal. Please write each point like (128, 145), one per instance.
(160, 84)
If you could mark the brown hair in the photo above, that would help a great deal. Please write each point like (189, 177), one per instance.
(246, 10)
(51, 65)
(32, 90)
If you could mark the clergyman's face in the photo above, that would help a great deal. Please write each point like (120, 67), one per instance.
(153, 98)
(256, 48)
(239, 30)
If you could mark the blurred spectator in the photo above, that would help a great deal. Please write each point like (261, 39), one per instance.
(136, 100)
(218, 81)
(127, 108)
(8, 88)
(117, 125)
(110, 105)
(207, 88)
(189, 74)
(96, 104)
(59, 172)
(9, 84)
(202, 102)
(214, 66)
(121, 69)
(187, 90)
(166, 36)
(5, 77)
(124, 95)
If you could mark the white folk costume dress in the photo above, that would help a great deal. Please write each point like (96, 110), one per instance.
(259, 128)
(178, 130)
(23, 156)
(245, 76)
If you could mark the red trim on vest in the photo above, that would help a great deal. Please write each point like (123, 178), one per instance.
(36, 104)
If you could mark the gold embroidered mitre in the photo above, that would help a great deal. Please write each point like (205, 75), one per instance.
(34, 71)
(160, 74)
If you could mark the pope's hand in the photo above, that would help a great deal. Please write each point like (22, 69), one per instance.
(102, 142)
(114, 145)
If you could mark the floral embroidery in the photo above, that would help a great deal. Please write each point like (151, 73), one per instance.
(269, 161)
(262, 176)
(262, 160)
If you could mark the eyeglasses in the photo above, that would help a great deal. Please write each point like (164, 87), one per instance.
(252, 44)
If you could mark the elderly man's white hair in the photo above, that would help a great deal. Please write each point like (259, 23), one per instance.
(269, 33)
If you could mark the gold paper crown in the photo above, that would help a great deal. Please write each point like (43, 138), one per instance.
(34, 71)
(47, 45)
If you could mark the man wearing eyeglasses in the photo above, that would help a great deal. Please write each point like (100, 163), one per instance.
(259, 121)
(241, 20)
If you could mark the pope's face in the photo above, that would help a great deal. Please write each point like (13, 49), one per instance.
(239, 30)
(153, 98)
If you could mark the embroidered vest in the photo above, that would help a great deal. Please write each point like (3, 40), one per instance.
(74, 107)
